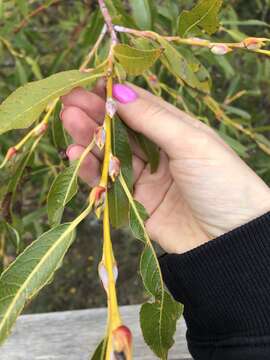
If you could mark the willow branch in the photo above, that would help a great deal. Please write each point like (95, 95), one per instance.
(251, 44)
(34, 13)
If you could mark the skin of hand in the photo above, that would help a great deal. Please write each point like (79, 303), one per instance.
(201, 189)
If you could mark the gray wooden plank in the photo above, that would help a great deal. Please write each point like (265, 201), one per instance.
(72, 335)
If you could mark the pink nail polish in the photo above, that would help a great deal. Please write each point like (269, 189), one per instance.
(124, 94)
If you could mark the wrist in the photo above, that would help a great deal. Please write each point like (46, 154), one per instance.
(178, 237)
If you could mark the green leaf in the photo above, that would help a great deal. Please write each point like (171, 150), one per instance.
(119, 205)
(142, 15)
(13, 236)
(159, 324)
(20, 70)
(35, 67)
(26, 104)
(204, 15)
(13, 181)
(178, 65)
(63, 189)
(251, 22)
(136, 61)
(151, 273)
(200, 71)
(134, 224)
(30, 272)
(23, 6)
(165, 310)
(150, 149)
(99, 353)
(59, 136)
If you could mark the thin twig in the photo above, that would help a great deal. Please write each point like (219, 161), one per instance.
(94, 48)
(35, 12)
(108, 21)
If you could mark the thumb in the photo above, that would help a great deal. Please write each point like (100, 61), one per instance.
(146, 114)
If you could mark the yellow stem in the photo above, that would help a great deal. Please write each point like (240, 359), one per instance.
(114, 320)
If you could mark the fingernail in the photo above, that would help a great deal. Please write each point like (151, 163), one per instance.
(124, 94)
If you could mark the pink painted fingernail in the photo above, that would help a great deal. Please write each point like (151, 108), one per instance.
(124, 94)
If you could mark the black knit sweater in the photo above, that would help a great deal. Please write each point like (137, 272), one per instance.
(225, 288)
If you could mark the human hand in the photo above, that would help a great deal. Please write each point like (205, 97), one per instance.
(201, 189)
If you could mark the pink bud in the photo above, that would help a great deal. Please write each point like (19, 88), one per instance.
(153, 79)
(114, 167)
(100, 137)
(253, 43)
(220, 49)
(119, 28)
(103, 275)
(41, 129)
(111, 107)
(122, 343)
(11, 153)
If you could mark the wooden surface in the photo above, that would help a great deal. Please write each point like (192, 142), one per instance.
(72, 335)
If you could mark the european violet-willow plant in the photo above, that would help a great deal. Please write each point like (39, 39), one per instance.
(131, 52)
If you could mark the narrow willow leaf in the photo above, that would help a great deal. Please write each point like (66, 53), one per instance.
(63, 189)
(100, 351)
(134, 224)
(176, 63)
(30, 272)
(59, 136)
(21, 164)
(13, 181)
(13, 236)
(141, 11)
(150, 149)
(136, 61)
(26, 104)
(204, 15)
(163, 307)
(198, 68)
(118, 203)
(159, 325)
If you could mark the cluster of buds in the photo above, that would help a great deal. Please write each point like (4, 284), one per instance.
(114, 167)
(100, 137)
(122, 343)
(103, 274)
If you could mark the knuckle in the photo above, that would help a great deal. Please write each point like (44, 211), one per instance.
(151, 110)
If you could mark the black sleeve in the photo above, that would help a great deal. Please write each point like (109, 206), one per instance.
(225, 288)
